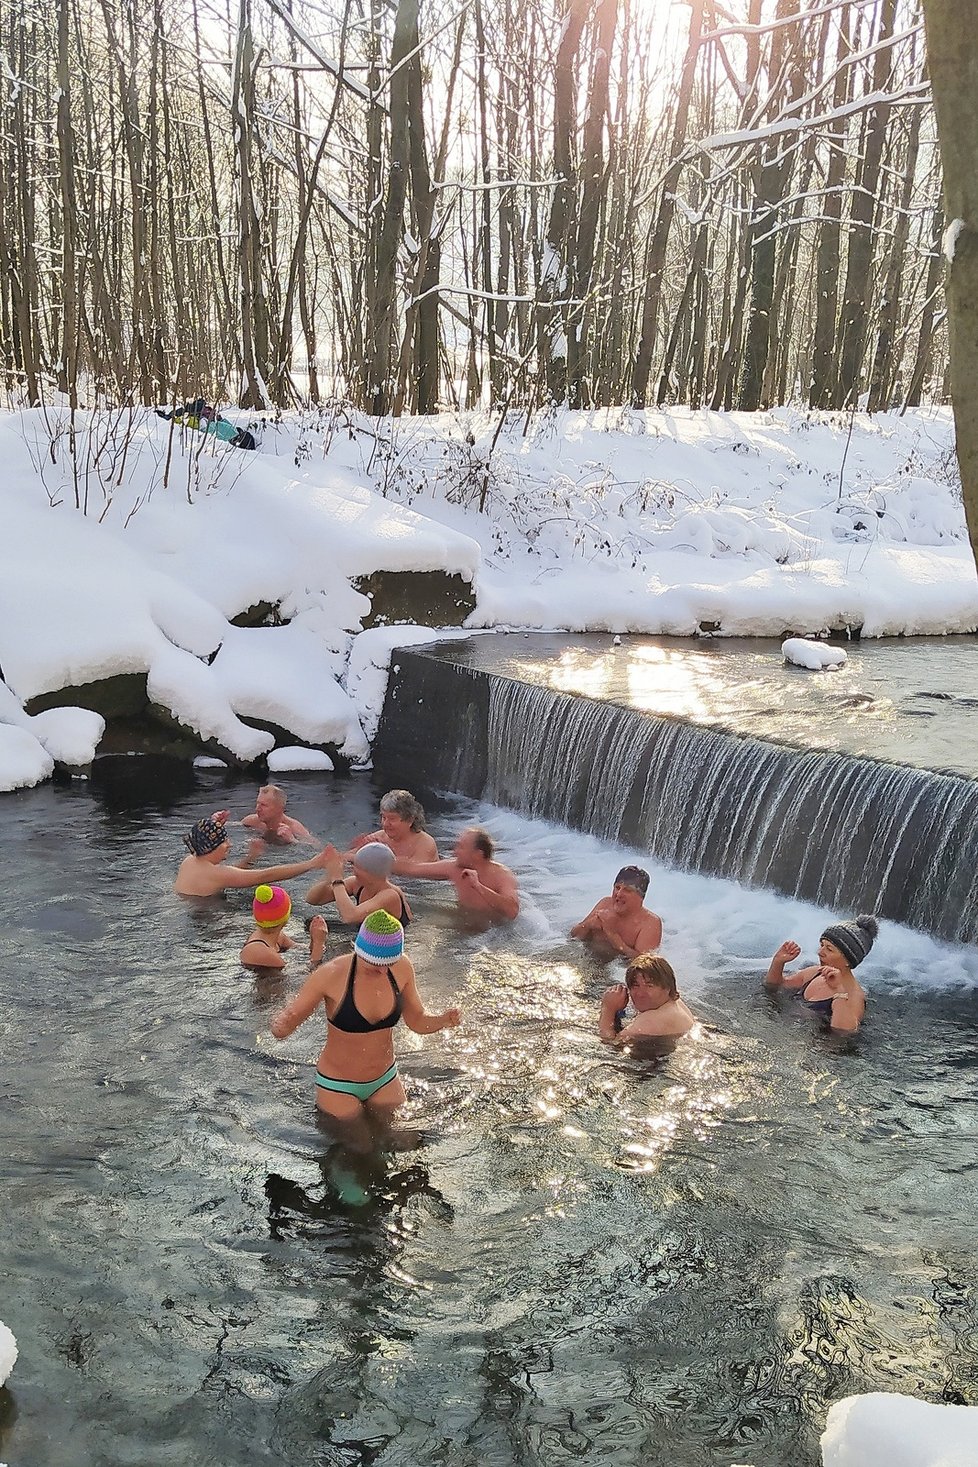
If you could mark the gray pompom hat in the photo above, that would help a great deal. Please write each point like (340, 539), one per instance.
(853, 939)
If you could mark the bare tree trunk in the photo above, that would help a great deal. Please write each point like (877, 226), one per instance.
(68, 364)
(656, 258)
(952, 43)
(865, 202)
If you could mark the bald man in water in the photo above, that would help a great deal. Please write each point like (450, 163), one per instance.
(484, 886)
(271, 822)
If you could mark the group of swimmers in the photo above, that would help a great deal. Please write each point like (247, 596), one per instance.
(367, 993)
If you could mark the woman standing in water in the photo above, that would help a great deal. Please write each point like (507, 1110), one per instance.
(829, 988)
(364, 997)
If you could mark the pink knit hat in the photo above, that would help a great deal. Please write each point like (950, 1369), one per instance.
(271, 906)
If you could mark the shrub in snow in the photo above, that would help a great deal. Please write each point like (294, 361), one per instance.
(890, 1430)
(816, 656)
(8, 1351)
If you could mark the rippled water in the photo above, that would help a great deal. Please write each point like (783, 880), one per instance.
(584, 1258)
(912, 700)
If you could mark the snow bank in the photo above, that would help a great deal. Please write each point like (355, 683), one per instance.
(814, 655)
(613, 520)
(281, 761)
(370, 661)
(190, 691)
(884, 1430)
(8, 1352)
(70, 735)
(284, 676)
(24, 762)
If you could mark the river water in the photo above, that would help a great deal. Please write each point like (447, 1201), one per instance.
(912, 701)
(584, 1257)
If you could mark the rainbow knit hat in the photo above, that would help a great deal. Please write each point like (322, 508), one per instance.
(271, 906)
(380, 939)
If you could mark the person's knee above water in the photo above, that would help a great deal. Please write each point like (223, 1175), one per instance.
(204, 873)
(271, 909)
(401, 828)
(364, 997)
(829, 988)
(482, 884)
(270, 820)
(650, 983)
(369, 889)
(621, 924)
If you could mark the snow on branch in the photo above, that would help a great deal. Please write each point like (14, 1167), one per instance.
(916, 94)
(785, 20)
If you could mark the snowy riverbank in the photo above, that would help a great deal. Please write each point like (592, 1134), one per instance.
(130, 548)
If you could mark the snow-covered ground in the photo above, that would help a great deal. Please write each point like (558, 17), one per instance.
(131, 553)
(884, 1429)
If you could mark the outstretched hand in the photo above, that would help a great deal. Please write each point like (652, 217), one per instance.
(787, 952)
(333, 863)
(451, 1018)
(221, 816)
(616, 997)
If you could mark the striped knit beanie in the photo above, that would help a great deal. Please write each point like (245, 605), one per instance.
(380, 939)
(271, 906)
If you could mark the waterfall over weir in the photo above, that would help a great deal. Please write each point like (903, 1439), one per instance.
(853, 834)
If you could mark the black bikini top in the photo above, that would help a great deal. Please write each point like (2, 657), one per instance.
(405, 917)
(349, 1018)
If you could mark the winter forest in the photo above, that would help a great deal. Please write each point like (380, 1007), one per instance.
(424, 205)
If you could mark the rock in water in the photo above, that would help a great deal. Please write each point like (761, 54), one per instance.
(816, 656)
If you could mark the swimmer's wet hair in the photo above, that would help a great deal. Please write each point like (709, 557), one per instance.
(483, 841)
(403, 803)
(277, 791)
(654, 970)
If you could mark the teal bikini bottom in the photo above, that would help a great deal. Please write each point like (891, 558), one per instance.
(362, 1089)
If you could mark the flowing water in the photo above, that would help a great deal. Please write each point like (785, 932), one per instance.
(862, 833)
(584, 1258)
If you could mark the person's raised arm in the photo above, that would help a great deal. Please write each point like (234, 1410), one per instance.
(775, 975)
(614, 1000)
(299, 831)
(238, 876)
(427, 870)
(416, 1016)
(297, 1011)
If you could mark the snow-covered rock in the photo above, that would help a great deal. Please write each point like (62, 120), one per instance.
(280, 761)
(816, 656)
(283, 675)
(8, 1352)
(70, 735)
(189, 690)
(24, 761)
(891, 1430)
